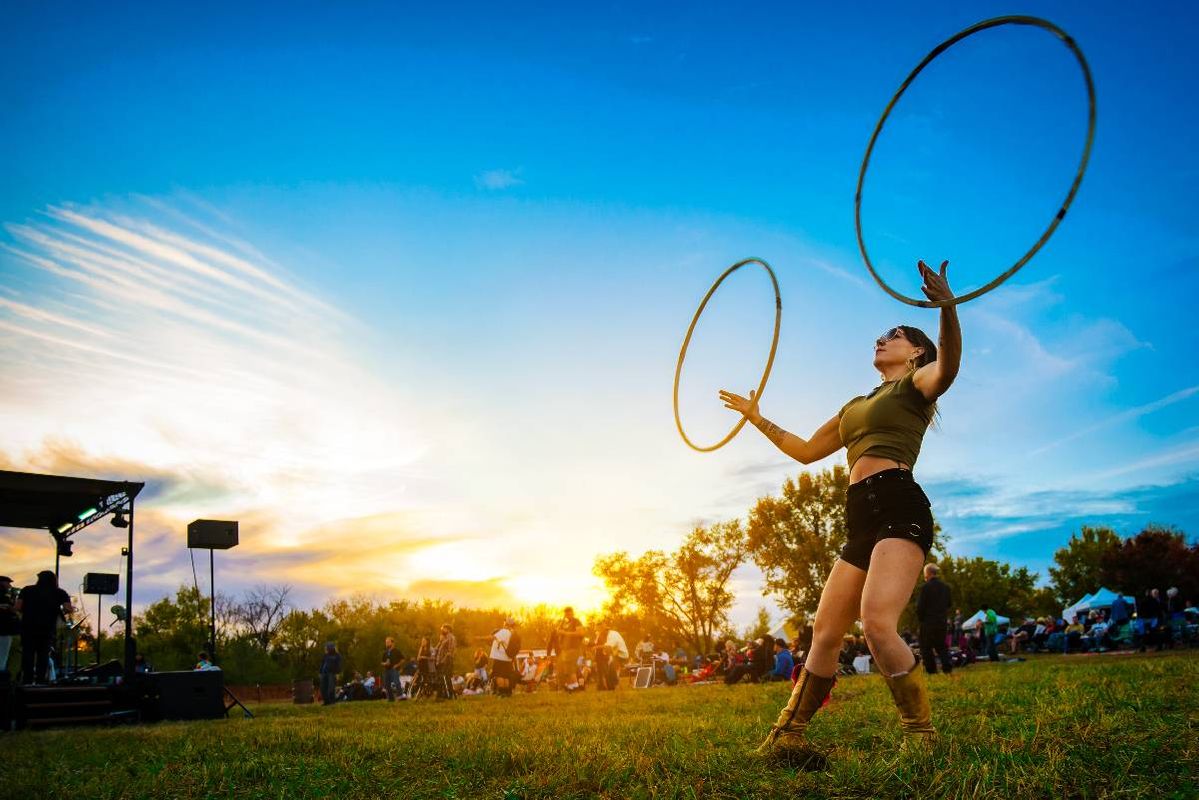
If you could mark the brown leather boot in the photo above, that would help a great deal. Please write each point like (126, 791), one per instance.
(911, 698)
(786, 744)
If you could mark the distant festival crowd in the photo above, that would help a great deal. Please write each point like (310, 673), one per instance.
(576, 658)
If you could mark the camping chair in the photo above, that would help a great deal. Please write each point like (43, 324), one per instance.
(1121, 637)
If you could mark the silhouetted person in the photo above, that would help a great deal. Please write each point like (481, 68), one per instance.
(330, 667)
(10, 623)
(932, 609)
(40, 606)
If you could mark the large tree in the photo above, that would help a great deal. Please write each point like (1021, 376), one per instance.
(684, 595)
(261, 612)
(1078, 564)
(1156, 558)
(171, 632)
(795, 538)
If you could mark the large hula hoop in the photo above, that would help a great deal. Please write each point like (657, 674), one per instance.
(1036, 22)
(774, 344)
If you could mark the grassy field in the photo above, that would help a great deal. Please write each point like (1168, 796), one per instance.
(1052, 726)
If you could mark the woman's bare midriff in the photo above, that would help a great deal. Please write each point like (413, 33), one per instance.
(866, 466)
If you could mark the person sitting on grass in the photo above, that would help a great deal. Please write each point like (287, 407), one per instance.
(1021, 636)
(741, 665)
(1074, 634)
(1046, 627)
(783, 662)
(704, 674)
(761, 658)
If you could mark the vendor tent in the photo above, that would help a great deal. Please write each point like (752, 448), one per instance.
(1102, 598)
(982, 615)
(1078, 606)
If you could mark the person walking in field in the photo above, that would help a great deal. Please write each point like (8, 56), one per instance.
(932, 609)
(890, 524)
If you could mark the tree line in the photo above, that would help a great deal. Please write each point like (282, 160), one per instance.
(677, 598)
(794, 538)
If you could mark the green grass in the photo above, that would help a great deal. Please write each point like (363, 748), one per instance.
(1062, 727)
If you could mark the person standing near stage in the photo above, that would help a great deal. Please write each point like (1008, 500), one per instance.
(570, 635)
(444, 659)
(10, 623)
(330, 668)
(41, 606)
(391, 668)
(932, 609)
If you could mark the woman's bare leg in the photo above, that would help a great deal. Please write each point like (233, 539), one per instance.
(894, 566)
(838, 608)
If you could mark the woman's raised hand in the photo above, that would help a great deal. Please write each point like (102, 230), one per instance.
(746, 407)
(935, 287)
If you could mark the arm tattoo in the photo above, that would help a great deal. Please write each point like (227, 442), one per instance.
(773, 432)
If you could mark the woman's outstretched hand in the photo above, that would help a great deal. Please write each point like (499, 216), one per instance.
(935, 287)
(746, 407)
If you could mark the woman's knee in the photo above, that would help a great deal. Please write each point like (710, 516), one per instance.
(826, 637)
(877, 628)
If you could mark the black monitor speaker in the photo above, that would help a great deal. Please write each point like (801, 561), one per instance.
(101, 583)
(212, 534)
(188, 694)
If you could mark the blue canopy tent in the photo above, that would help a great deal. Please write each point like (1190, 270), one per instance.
(1102, 598)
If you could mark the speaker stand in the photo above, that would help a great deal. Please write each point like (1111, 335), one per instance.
(233, 701)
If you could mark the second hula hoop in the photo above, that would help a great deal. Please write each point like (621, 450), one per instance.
(774, 344)
(1035, 22)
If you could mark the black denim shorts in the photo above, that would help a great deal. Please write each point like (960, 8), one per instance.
(887, 505)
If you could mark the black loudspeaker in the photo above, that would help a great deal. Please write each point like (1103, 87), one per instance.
(212, 534)
(190, 694)
(101, 583)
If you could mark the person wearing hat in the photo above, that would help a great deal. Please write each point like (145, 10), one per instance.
(40, 606)
(10, 623)
(505, 644)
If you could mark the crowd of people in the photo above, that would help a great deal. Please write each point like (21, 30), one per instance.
(1154, 620)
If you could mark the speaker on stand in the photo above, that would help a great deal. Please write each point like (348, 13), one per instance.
(211, 535)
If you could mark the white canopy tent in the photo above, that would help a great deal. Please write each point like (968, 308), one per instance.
(982, 615)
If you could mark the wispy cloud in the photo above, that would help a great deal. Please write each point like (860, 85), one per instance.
(1171, 456)
(141, 347)
(1123, 416)
(497, 179)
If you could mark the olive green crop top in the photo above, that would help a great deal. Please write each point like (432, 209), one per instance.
(889, 422)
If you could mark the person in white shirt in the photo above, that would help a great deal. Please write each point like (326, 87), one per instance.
(616, 642)
(505, 643)
(611, 654)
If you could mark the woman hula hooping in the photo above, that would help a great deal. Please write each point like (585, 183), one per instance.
(890, 524)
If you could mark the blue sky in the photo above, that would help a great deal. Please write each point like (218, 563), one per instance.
(435, 267)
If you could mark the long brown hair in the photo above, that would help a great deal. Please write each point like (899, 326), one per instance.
(920, 339)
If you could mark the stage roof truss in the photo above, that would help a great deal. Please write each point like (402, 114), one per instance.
(111, 504)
